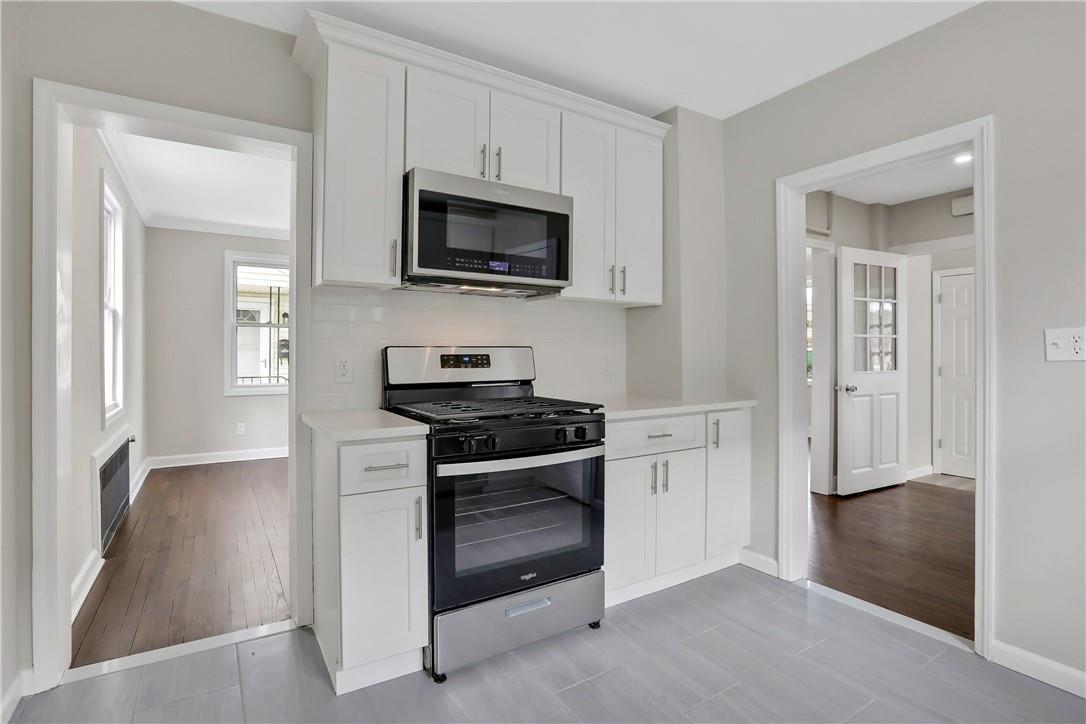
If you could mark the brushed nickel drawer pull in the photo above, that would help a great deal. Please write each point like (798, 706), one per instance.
(658, 435)
(379, 468)
(418, 518)
(716, 432)
(652, 487)
(666, 475)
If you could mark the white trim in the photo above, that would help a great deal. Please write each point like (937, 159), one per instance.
(135, 482)
(88, 573)
(56, 109)
(172, 652)
(759, 562)
(1038, 667)
(210, 458)
(667, 580)
(937, 360)
(919, 472)
(110, 199)
(393, 667)
(975, 135)
(824, 244)
(179, 223)
(231, 260)
(892, 616)
(934, 246)
(18, 688)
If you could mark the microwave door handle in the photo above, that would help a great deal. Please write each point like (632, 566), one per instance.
(522, 463)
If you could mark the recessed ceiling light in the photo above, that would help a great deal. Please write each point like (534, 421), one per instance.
(963, 158)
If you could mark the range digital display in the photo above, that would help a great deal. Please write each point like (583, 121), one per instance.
(465, 361)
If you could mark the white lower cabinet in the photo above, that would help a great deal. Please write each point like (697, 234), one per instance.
(680, 510)
(383, 567)
(728, 482)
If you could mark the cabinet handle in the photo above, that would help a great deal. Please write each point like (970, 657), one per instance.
(716, 432)
(482, 167)
(655, 436)
(377, 468)
(418, 518)
(652, 487)
(499, 174)
(623, 279)
(666, 475)
(611, 290)
(395, 258)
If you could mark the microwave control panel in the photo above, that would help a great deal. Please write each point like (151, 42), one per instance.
(465, 361)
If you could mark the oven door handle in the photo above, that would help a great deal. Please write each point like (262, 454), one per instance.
(508, 464)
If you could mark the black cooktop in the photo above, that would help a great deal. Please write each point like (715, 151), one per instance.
(448, 410)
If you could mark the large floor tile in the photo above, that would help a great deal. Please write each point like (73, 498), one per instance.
(413, 698)
(617, 697)
(172, 680)
(283, 678)
(562, 660)
(109, 698)
(498, 690)
(216, 707)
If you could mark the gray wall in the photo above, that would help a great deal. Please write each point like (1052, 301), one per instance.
(187, 411)
(155, 51)
(926, 219)
(852, 225)
(986, 60)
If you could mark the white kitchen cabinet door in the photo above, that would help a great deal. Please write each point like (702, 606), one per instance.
(525, 139)
(629, 534)
(383, 574)
(639, 217)
(588, 175)
(448, 123)
(727, 494)
(362, 186)
(680, 514)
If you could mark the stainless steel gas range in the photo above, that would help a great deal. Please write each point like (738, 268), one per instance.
(516, 487)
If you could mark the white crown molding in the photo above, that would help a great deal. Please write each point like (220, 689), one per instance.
(179, 223)
(320, 29)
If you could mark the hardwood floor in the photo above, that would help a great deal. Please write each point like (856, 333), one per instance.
(203, 551)
(908, 548)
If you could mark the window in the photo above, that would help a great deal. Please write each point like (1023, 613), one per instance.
(112, 304)
(875, 320)
(257, 324)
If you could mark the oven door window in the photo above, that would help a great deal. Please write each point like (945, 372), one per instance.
(458, 234)
(505, 525)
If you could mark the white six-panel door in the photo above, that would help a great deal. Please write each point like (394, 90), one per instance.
(871, 381)
(955, 452)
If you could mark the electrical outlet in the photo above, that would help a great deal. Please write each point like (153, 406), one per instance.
(240, 428)
(1065, 344)
(344, 370)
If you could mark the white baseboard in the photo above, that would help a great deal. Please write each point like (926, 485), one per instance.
(1038, 667)
(17, 689)
(759, 562)
(919, 472)
(88, 573)
(135, 482)
(659, 583)
(225, 456)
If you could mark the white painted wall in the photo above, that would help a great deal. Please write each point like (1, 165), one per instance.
(187, 410)
(926, 219)
(900, 92)
(88, 432)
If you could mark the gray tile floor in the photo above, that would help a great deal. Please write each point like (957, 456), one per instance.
(735, 646)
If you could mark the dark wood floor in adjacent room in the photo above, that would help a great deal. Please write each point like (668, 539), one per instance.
(203, 551)
(908, 548)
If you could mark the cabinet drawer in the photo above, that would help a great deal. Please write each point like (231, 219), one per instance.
(381, 466)
(647, 437)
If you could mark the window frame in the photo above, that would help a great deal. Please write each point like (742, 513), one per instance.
(233, 259)
(111, 246)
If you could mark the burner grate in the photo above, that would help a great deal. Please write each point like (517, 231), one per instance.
(507, 407)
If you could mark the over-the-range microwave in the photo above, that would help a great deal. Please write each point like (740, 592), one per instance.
(473, 236)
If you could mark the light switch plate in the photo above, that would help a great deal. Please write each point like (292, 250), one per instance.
(1063, 345)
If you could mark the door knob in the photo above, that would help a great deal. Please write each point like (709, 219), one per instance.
(850, 389)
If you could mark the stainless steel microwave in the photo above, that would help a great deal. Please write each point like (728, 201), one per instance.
(472, 236)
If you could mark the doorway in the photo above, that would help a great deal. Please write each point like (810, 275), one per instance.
(176, 499)
(881, 287)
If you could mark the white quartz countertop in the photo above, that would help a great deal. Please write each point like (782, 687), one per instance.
(633, 407)
(357, 425)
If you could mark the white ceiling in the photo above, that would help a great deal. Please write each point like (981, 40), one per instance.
(718, 58)
(908, 183)
(182, 186)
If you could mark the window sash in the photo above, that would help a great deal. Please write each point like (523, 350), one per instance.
(234, 261)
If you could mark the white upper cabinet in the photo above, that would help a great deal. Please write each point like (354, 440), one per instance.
(525, 139)
(448, 123)
(360, 137)
(639, 217)
(588, 175)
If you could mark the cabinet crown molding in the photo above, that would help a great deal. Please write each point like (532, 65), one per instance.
(322, 29)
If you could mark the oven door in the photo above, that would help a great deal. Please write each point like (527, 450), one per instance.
(480, 231)
(508, 524)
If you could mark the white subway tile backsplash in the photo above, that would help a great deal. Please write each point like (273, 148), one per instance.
(580, 348)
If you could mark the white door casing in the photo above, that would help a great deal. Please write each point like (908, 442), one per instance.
(955, 373)
(871, 374)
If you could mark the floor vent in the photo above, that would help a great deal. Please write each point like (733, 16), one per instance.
(114, 496)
